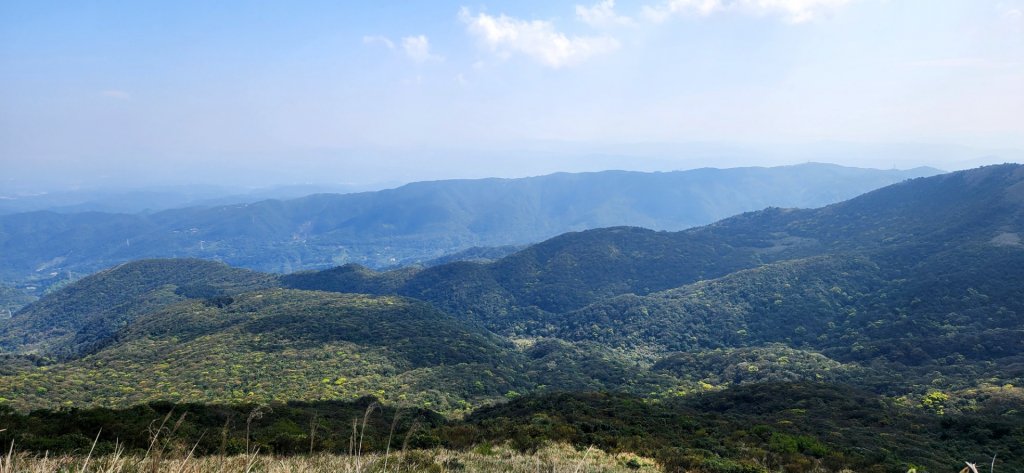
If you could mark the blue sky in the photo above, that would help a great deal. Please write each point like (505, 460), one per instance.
(398, 91)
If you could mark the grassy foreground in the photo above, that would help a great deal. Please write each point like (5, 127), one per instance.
(555, 458)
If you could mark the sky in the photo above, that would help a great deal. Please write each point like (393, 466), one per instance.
(258, 93)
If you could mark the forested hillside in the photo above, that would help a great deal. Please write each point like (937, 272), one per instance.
(84, 316)
(416, 222)
(926, 284)
(277, 345)
(881, 333)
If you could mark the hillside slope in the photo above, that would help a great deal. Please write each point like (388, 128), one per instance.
(561, 274)
(911, 291)
(921, 278)
(419, 221)
(282, 344)
(933, 225)
(83, 316)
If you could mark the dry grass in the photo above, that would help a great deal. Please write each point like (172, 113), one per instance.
(552, 459)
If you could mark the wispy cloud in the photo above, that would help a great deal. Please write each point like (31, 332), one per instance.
(377, 39)
(602, 15)
(536, 39)
(418, 49)
(665, 10)
(795, 11)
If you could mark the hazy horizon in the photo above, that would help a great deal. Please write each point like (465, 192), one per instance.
(115, 95)
(383, 170)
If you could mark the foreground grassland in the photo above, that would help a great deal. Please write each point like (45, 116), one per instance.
(552, 459)
(761, 428)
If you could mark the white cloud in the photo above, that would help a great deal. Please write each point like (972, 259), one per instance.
(379, 39)
(418, 49)
(665, 10)
(795, 11)
(602, 14)
(536, 39)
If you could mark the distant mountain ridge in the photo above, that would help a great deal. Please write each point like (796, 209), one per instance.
(149, 200)
(418, 222)
(910, 224)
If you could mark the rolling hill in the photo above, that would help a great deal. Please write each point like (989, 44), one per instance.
(84, 316)
(935, 220)
(892, 319)
(921, 277)
(416, 222)
(276, 344)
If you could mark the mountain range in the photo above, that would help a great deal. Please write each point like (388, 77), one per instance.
(414, 223)
(717, 341)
